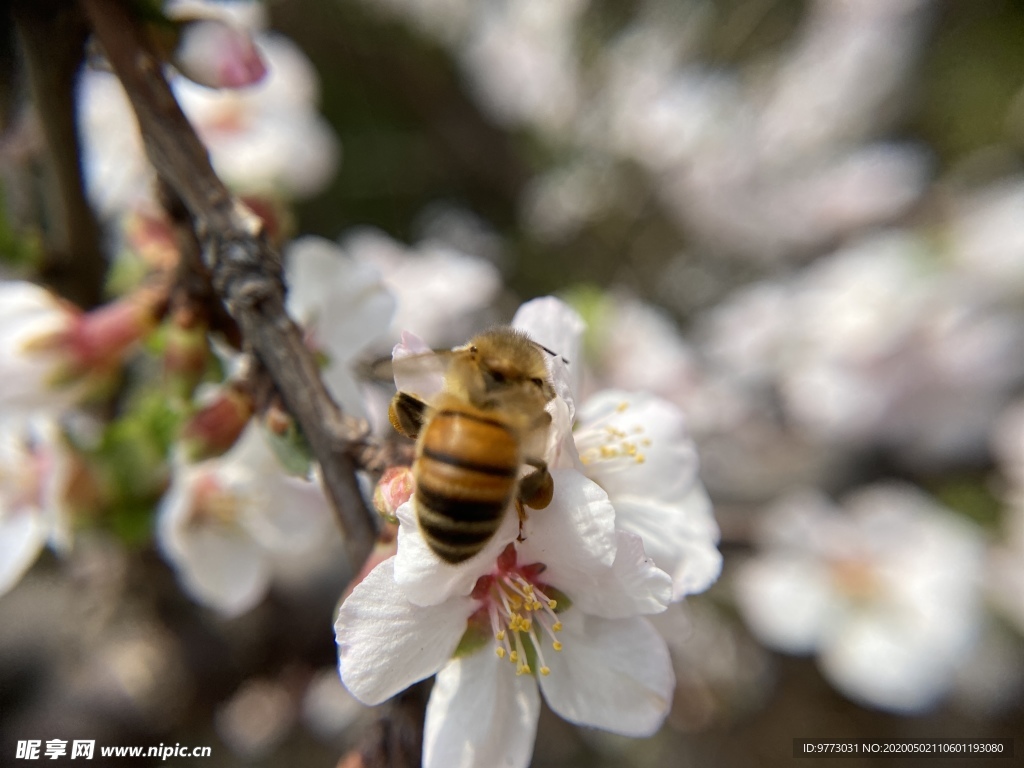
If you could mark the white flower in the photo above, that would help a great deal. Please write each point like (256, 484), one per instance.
(886, 594)
(637, 448)
(34, 473)
(267, 138)
(223, 520)
(564, 600)
(874, 344)
(565, 605)
(343, 306)
(33, 360)
(438, 288)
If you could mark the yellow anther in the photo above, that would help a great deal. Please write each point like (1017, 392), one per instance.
(556, 645)
(552, 604)
(523, 669)
(525, 624)
(640, 459)
(631, 449)
(557, 626)
(622, 406)
(500, 636)
(545, 671)
(607, 452)
(500, 651)
(528, 588)
(513, 657)
(645, 442)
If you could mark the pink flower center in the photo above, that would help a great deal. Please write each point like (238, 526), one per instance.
(520, 612)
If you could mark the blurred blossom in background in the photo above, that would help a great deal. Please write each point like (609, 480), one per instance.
(801, 224)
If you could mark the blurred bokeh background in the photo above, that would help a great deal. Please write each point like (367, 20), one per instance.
(801, 222)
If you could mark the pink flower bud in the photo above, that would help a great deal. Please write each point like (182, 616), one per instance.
(217, 54)
(215, 428)
(98, 339)
(394, 488)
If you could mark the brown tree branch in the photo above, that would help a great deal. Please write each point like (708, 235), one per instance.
(246, 271)
(52, 36)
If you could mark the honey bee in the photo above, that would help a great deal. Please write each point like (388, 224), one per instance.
(474, 437)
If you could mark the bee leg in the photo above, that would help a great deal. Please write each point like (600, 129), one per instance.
(521, 511)
(407, 414)
(537, 488)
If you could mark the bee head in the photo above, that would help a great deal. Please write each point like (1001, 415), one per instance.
(507, 368)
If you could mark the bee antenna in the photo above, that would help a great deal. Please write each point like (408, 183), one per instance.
(553, 354)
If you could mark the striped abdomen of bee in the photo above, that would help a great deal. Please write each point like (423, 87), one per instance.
(466, 471)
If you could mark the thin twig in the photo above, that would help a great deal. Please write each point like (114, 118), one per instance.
(246, 271)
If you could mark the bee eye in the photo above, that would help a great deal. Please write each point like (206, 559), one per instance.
(498, 377)
(539, 383)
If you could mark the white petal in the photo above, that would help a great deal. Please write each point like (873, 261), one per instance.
(786, 601)
(480, 714)
(699, 567)
(574, 535)
(48, 438)
(22, 534)
(439, 289)
(292, 514)
(648, 425)
(344, 302)
(614, 674)
(221, 567)
(429, 580)
(218, 564)
(634, 584)
(29, 313)
(681, 538)
(385, 643)
(887, 664)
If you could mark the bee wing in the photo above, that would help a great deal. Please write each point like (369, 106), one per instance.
(421, 374)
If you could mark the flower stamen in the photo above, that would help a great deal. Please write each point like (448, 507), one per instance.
(520, 613)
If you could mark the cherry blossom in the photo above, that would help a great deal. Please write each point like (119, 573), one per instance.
(223, 520)
(553, 605)
(438, 288)
(637, 448)
(52, 354)
(264, 139)
(885, 592)
(561, 611)
(343, 305)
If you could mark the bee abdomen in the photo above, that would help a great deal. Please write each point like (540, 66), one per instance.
(465, 476)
